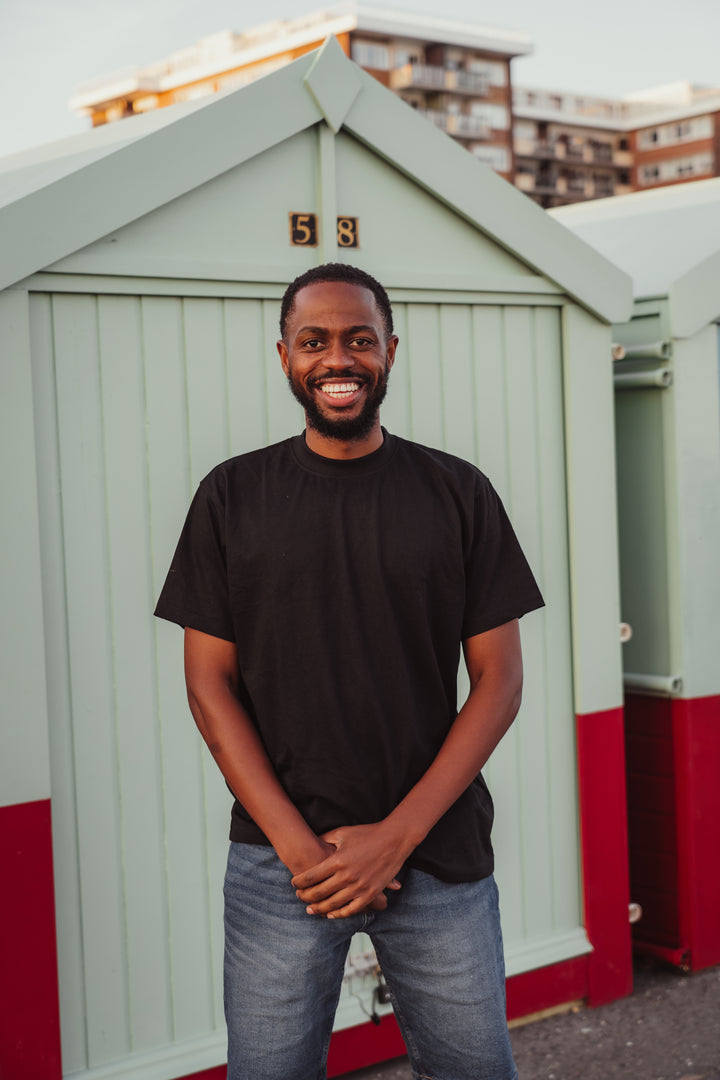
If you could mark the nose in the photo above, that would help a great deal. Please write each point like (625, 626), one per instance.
(336, 357)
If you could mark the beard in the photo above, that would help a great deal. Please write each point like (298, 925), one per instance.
(340, 427)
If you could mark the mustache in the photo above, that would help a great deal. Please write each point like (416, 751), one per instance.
(337, 376)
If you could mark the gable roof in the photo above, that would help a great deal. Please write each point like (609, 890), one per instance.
(667, 240)
(61, 198)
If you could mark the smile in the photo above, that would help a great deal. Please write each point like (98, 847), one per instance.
(340, 391)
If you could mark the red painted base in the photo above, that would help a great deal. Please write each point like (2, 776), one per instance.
(29, 1012)
(604, 845)
(531, 992)
(674, 797)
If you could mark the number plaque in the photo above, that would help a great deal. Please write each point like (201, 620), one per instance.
(303, 230)
(347, 232)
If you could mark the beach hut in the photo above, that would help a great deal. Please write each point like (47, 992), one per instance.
(141, 267)
(668, 473)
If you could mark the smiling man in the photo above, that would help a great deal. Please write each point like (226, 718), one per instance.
(327, 585)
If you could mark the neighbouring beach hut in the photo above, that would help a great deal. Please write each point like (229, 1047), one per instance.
(141, 267)
(667, 389)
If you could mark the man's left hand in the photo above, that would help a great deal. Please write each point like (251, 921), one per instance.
(353, 878)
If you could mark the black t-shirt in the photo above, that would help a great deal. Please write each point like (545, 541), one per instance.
(348, 587)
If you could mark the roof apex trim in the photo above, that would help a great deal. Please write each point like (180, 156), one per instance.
(333, 83)
(694, 298)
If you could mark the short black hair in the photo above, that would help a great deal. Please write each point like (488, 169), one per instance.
(342, 272)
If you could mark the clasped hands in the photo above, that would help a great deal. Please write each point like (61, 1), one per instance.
(361, 863)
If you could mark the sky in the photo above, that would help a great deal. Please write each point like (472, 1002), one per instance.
(611, 47)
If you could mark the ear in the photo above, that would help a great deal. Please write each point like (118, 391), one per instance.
(391, 346)
(283, 350)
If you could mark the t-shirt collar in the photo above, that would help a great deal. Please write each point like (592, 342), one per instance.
(326, 466)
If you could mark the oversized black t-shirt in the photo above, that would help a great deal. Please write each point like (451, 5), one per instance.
(347, 587)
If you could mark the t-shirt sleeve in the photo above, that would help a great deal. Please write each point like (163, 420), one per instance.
(499, 582)
(195, 592)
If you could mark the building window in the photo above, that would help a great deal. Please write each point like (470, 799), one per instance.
(677, 169)
(496, 157)
(700, 127)
(368, 54)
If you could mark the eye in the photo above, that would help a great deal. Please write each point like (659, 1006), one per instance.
(312, 343)
(363, 342)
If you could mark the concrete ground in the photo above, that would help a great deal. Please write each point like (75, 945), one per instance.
(668, 1030)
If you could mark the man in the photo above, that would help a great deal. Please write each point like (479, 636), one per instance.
(326, 585)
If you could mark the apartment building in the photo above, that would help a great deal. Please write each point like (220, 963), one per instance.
(570, 147)
(456, 74)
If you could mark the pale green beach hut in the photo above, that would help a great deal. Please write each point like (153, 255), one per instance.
(667, 388)
(141, 267)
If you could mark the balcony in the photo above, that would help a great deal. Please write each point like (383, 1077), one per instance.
(434, 77)
(565, 188)
(469, 82)
(559, 150)
(459, 125)
(602, 153)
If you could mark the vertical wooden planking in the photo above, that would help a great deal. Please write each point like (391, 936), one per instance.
(209, 434)
(592, 522)
(284, 415)
(24, 749)
(491, 454)
(424, 366)
(695, 400)
(85, 534)
(139, 774)
(247, 389)
(552, 572)
(170, 491)
(525, 512)
(456, 341)
(71, 975)
(490, 395)
(208, 419)
(395, 410)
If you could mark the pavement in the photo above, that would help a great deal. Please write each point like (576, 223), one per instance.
(669, 1029)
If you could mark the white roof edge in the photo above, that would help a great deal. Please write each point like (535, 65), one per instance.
(692, 192)
(342, 19)
(449, 31)
(143, 80)
(665, 113)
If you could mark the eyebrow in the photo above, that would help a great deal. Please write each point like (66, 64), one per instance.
(351, 330)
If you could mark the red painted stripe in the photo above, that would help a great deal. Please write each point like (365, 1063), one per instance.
(531, 992)
(678, 884)
(29, 1007)
(218, 1072)
(696, 731)
(546, 988)
(604, 844)
(357, 1047)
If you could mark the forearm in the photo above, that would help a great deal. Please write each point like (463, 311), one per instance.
(235, 745)
(369, 855)
(485, 717)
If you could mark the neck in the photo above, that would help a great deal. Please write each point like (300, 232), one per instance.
(343, 449)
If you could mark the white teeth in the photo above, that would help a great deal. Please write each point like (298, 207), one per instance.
(337, 389)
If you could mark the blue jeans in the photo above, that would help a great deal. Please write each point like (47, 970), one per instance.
(439, 947)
